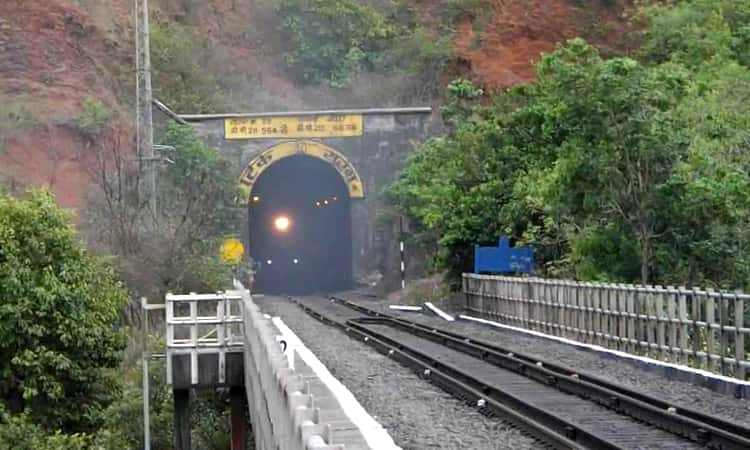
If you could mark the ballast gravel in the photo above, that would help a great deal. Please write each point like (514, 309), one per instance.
(417, 414)
(616, 370)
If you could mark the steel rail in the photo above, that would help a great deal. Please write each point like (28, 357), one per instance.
(470, 391)
(694, 425)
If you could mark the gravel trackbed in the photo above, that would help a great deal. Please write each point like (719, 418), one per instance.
(417, 414)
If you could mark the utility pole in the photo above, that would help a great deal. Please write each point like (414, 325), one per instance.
(146, 163)
(144, 98)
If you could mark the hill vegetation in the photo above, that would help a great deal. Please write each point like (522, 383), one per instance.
(621, 169)
(618, 159)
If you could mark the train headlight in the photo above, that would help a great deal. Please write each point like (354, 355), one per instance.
(295, 261)
(282, 223)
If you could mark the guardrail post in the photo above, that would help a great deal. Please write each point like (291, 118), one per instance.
(182, 419)
(739, 336)
(238, 406)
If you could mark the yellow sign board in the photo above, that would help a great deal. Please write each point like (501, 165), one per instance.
(232, 251)
(324, 126)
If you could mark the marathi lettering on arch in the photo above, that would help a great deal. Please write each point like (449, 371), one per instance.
(315, 149)
(282, 127)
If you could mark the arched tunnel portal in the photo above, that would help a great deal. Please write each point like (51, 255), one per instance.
(299, 216)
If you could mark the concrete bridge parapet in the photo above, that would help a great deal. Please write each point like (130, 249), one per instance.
(294, 402)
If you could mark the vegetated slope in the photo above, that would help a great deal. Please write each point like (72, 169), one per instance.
(52, 58)
(67, 75)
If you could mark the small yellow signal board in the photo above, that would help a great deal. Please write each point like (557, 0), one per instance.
(232, 250)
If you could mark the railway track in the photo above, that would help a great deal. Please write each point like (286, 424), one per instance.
(554, 403)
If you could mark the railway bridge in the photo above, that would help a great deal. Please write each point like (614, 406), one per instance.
(538, 364)
(529, 363)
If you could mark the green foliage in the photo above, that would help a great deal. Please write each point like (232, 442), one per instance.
(331, 40)
(612, 169)
(93, 118)
(183, 70)
(421, 56)
(14, 116)
(59, 307)
(123, 428)
(195, 210)
(20, 433)
(457, 10)
(464, 89)
(694, 32)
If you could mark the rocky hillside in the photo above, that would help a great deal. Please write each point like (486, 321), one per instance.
(66, 69)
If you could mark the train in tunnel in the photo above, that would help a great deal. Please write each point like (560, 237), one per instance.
(300, 235)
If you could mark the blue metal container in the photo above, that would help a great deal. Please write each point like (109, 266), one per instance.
(503, 258)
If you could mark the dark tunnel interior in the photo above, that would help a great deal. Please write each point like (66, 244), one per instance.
(300, 228)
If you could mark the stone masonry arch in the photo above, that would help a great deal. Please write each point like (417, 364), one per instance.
(256, 166)
(367, 147)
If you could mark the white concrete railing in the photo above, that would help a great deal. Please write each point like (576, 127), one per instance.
(294, 402)
(701, 328)
(200, 324)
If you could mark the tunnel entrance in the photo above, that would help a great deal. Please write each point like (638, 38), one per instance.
(300, 228)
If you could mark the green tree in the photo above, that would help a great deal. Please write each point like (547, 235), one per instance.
(708, 233)
(616, 144)
(20, 433)
(177, 251)
(58, 313)
(184, 66)
(579, 154)
(694, 32)
(331, 40)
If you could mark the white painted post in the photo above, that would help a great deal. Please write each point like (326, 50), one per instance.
(632, 346)
(739, 337)
(682, 307)
(193, 340)
(671, 325)
(660, 325)
(710, 333)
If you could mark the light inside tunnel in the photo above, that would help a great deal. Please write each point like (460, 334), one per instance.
(303, 224)
(281, 223)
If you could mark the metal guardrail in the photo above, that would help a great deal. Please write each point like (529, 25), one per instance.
(702, 328)
(199, 324)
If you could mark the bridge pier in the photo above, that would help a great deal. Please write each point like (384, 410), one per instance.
(182, 419)
(204, 351)
(238, 407)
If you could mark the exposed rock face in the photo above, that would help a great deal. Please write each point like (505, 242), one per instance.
(52, 58)
(501, 53)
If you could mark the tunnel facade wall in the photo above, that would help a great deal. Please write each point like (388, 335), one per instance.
(378, 155)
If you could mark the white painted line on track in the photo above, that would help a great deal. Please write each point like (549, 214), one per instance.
(617, 353)
(439, 312)
(376, 436)
(405, 308)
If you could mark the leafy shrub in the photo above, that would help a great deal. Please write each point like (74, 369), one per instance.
(20, 433)
(183, 70)
(331, 40)
(93, 118)
(456, 10)
(14, 116)
(57, 333)
(421, 57)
